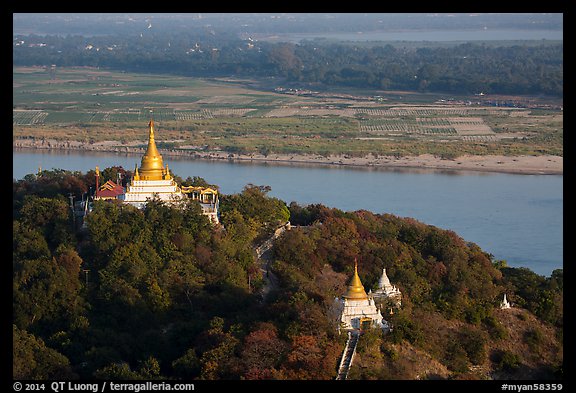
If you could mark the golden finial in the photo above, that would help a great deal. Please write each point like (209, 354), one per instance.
(151, 126)
(355, 288)
(167, 176)
(136, 174)
(97, 171)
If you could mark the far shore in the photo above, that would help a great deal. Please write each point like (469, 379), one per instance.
(528, 165)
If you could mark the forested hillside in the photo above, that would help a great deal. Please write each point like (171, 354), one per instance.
(160, 293)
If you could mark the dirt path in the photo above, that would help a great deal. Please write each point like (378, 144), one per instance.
(264, 255)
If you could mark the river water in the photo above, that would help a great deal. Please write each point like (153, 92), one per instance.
(518, 218)
(434, 35)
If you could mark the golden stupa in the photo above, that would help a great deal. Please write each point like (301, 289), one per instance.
(152, 167)
(153, 180)
(355, 288)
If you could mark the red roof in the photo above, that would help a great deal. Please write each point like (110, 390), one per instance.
(110, 190)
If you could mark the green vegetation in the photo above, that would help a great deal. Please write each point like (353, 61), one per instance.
(466, 68)
(89, 105)
(159, 293)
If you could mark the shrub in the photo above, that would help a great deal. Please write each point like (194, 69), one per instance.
(495, 328)
(474, 343)
(533, 338)
(507, 361)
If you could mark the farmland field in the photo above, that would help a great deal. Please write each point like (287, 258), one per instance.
(253, 116)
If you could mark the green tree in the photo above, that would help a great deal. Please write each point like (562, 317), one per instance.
(507, 361)
(33, 360)
(52, 216)
(149, 368)
(405, 328)
(217, 359)
(184, 281)
(538, 294)
(253, 202)
(28, 243)
(118, 372)
(45, 296)
(474, 343)
(114, 173)
(187, 366)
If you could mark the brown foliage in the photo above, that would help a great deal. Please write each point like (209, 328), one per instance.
(262, 350)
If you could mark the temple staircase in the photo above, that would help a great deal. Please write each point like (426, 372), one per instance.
(348, 355)
(264, 257)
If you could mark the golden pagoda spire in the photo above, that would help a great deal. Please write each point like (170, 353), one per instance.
(152, 167)
(355, 288)
(167, 175)
(136, 174)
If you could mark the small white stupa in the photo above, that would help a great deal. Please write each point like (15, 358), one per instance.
(386, 290)
(505, 304)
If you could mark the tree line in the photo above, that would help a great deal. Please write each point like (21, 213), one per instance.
(469, 68)
(160, 293)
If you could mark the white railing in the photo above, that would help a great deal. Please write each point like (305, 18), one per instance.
(348, 355)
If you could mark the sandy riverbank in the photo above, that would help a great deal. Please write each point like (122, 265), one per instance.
(542, 165)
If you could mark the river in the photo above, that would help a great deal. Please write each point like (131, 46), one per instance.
(518, 218)
(433, 35)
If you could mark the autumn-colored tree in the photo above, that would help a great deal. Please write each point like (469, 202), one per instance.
(339, 242)
(262, 352)
(311, 357)
(51, 183)
(304, 356)
(69, 259)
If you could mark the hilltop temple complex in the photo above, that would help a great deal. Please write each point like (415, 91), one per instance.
(357, 308)
(153, 180)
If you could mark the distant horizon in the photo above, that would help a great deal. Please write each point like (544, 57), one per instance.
(92, 24)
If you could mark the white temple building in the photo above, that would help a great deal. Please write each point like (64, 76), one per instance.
(357, 308)
(386, 290)
(505, 304)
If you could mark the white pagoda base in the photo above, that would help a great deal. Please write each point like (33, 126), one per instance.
(360, 314)
(140, 191)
